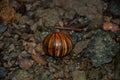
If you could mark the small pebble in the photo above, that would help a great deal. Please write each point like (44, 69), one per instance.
(51, 60)
(3, 72)
(59, 79)
(3, 28)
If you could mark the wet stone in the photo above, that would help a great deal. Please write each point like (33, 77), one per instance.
(51, 60)
(59, 79)
(3, 72)
(39, 36)
(30, 14)
(45, 4)
(50, 17)
(20, 75)
(114, 7)
(101, 48)
(21, 53)
(77, 37)
(13, 55)
(79, 75)
(94, 74)
(1, 46)
(117, 33)
(80, 46)
(5, 58)
(117, 67)
(3, 28)
(70, 14)
(92, 9)
(25, 55)
(50, 77)
(43, 35)
(39, 23)
(41, 73)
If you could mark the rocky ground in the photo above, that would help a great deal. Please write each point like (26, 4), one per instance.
(94, 27)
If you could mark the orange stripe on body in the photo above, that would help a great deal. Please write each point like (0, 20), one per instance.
(69, 43)
(58, 45)
(50, 44)
(45, 42)
(64, 44)
(46, 39)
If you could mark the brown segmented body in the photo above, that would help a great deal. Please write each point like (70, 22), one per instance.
(57, 44)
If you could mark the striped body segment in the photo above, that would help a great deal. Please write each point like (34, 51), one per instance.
(57, 44)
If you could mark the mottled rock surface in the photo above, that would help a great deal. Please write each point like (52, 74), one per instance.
(24, 25)
(20, 75)
(79, 75)
(3, 28)
(114, 7)
(50, 17)
(101, 48)
(92, 9)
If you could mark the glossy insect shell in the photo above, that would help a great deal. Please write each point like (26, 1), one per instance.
(57, 44)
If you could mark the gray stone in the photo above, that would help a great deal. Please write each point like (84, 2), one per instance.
(3, 28)
(114, 7)
(101, 48)
(117, 67)
(94, 74)
(81, 45)
(3, 72)
(43, 35)
(20, 75)
(92, 9)
(79, 75)
(49, 17)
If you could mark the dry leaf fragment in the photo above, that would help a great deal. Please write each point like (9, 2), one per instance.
(38, 58)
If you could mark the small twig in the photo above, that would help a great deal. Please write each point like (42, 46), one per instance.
(67, 28)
